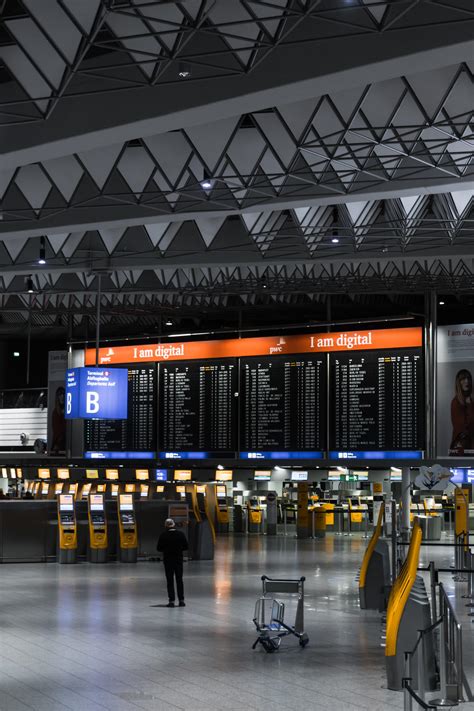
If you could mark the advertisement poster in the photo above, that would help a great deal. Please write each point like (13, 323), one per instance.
(57, 365)
(455, 397)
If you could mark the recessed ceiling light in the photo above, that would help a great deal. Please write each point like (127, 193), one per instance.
(16, 354)
(335, 240)
(441, 303)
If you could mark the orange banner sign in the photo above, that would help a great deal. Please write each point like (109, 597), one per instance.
(390, 338)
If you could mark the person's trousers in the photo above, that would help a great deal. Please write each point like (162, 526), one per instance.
(174, 569)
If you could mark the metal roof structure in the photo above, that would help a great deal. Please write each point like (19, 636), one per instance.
(209, 154)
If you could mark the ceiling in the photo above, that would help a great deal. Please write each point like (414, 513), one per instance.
(335, 136)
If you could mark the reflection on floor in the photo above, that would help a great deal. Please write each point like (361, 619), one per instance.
(91, 637)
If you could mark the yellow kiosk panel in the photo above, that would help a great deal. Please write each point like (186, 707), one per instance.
(129, 488)
(142, 474)
(44, 473)
(111, 474)
(92, 473)
(63, 473)
(19, 473)
(144, 488)
(114, 490)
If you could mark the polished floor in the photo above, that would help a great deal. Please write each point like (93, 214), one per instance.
(89, 638)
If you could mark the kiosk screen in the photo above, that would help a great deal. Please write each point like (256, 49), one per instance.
(66, 502)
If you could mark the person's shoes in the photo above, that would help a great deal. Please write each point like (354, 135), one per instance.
(182, 603)
(170, 604)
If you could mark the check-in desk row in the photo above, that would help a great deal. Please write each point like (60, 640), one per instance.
(97, 529)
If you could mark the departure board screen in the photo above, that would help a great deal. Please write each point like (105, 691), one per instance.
(138, 432)
(198, 407)
(377, 400)
(283, 404)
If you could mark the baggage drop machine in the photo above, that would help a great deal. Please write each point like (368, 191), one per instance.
(67, 529)
(98, 539)
(127, 525)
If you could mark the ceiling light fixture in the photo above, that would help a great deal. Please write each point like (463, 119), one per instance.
(29, 285)
(168, 322)
(206, 182)
(42, 252)
(441, 303)
(184, 70)
(335, 240)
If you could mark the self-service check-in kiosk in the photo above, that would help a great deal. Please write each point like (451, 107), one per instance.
(67, 529)
(254, 515)
(97, 529)
(128, 537)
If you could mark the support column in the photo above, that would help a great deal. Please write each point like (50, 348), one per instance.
(406, 500)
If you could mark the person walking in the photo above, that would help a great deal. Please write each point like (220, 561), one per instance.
(172, 543)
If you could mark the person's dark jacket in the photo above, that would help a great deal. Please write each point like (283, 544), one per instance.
(172, 543)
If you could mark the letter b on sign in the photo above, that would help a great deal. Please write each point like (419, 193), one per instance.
(68, 404)
(92, 402)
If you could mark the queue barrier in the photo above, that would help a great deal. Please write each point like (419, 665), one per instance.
(374, 577)
(408, 612)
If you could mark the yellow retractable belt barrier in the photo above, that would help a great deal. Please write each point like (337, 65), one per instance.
(401, 590)
(370, 547)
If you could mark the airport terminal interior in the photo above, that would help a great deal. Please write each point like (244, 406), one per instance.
(236, 293)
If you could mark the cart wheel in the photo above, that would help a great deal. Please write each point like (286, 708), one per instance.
(276, 643)
(304, 639)
(268, 646)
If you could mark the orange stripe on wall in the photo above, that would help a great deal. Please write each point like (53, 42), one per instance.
(390, 338)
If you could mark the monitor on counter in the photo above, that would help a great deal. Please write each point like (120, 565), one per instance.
(182, 475)
(142, 474)
(111, 474)
(92, 473)
(262, 475)
(299, 476)
(62, 473)
(224, 475)
(44, 473)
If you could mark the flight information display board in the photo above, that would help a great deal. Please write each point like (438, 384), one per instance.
(283, 405)
(376, 401)
(198, 408)
(137, 433)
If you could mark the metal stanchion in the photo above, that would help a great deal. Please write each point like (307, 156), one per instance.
(421, 667)
(433, 584)
(407, 700)
(366, 523)
(312, 525)
(285, 533)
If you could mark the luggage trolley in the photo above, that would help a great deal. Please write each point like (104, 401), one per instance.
(269, 614)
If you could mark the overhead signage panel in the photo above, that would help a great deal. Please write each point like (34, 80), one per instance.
(271, 345)
(97, 393)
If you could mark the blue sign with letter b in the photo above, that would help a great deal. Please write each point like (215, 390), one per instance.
(97, 393)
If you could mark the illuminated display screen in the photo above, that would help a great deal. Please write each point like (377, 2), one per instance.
(63, 473)
(299, 476)
(161, 475)
(262, 475)
(126, 502)
(224, 475)
(19, 473)
(182, 475)
(111, 474)
(66, 502)
(377, 455)
(281, 455)
(142, 474)
(198, 408)
(44, 473)
(96, 502)
(92, 473)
